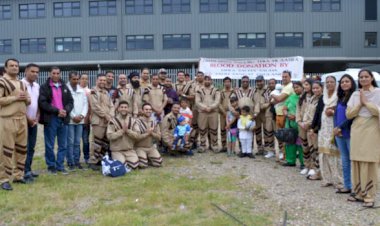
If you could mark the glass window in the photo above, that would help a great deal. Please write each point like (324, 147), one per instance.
(251, 40)
(66, 9)
(103, 43)
(288, 5)
(139, 6)
(175, 6)
(102, 8)
(139, 42)
(177, 41)
(326, 39)
(214, 41)
(5, 12)
(33, 45)
(213, 6)
(325, 5)
(370, 9)
(289, 39)
(5, 46)
(370, 39)
(31, 11)
(251, 5)
(67, 44)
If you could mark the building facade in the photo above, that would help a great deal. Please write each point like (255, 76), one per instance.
(327, 33)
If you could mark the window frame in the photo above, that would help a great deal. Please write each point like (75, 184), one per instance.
(286, 34)
(330, 39)
(2, 11)
(330, 2)
(208, 4)
(150, 36)
(3, 46)
(173, 4)
(284, 3)
(134, 7)
(72, 8)
(98, 7)
(365, 39)
(252, 33)
(184, 39)
(245, 5)
(38, 40)
(209, 37)
(108, 42)
(72, 43)
(27, 10)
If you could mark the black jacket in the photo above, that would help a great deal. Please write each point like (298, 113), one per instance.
(44, 102)
(317, 120)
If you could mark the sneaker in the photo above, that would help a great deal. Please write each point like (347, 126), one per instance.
(269, 155)
(311, 172)
(63, 171)
(281, 156)
(304, 171)
(52, 171)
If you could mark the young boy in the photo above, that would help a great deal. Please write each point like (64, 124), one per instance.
(181, 132)
(185, 111)
(231, 126)
(245, 126)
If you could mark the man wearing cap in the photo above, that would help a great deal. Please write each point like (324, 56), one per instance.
(145, 78)
(260, 114)
(207, 100)
(139, 92)
(162, 75)
(225, 96)
(157, 98)
(124, 93)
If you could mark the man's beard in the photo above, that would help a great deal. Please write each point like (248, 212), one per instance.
(135, 84)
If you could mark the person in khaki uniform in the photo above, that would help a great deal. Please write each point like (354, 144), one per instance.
(245, 94)
(145, 78)
(225, 96)
(207, 100)
(157, 98)
(13, 101)
(122, 137)
(180, 84)
(102, 110)
(148, 132)
(141, 93)
(192, 88)
(124, 93)
(260, 114)
(269, 125)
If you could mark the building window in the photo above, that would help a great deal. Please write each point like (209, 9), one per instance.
(68, 44)
(5, 46)
(5, 12)
(139, 6)
(139, 42)
(66, 9)
(175, 6)
(289, 5)
(326, 5)
(289, 39)
(214, 41)
(326, 39)
(177, 41)
(33, 45)
(251, 40)
(103, 43)
(370, 39)
(103, 8)
(370, 9)
(213, 6)
(251, 6)
(31, 11)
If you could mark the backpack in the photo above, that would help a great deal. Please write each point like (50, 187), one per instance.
(113, 168)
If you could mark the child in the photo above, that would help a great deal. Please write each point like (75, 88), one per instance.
(181, 132)
(231, 126)
(185, 110)
(245, 126)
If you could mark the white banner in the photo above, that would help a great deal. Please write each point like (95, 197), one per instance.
(219, 68)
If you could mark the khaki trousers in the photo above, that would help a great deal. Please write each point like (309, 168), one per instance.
(223, 131)
(260, 124)
(150, 154)
(208, 127)
(194, 128)
(127, 157)
(99, 145)
(364, 180)
(13, 155)
(312, 161)
(269, 134)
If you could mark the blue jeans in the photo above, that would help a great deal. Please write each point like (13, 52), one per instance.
(56, 128)
(344, 148)
(32, 139)
(73, 143)
(86, 142)
(179, 138)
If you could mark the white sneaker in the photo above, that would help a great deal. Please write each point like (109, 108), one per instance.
(311, 172)
(269, 155)
(281, 156)
(304, 171)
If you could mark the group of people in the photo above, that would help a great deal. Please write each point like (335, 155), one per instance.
(147, 115)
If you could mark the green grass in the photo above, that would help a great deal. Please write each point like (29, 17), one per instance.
(155, 196)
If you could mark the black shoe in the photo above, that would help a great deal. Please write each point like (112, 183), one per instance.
(94, 167)
(52, 171)
(302, 167)
(29, 180)
(35, 175)
(71, 168)
(63, 171)
(20, 181)
(79, 166)
(6, 186)
(250, 155)
(288, 164)
(189, 153)
(241, 155)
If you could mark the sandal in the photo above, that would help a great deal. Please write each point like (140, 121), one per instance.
(324, 185)
(354, 199)
(368, 204)
(343, 191)
(313, 177)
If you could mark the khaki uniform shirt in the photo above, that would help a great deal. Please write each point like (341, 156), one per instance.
(207, 98)
(10, 88)
(119, 139)
(101, 106)
(141, 125)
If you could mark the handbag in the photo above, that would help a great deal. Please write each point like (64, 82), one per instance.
(286, 135)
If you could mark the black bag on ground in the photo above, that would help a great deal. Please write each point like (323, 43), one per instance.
(287, 135)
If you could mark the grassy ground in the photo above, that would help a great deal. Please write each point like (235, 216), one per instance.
(171, 195)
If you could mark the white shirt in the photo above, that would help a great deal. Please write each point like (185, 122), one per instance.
(34, 92)
(80, 103)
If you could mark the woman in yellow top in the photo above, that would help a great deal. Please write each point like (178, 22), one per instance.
(364, 107)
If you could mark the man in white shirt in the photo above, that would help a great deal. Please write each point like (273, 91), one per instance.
(75, 127)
